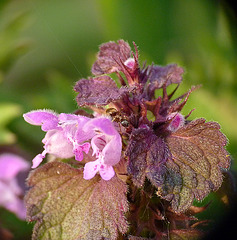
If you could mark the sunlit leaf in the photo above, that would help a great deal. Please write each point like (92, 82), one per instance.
(98, 91)
(184, 165)
(164, 76)
(8, 111)
(109, 57)
(65, 206)
(147, 154)
(198, 151)
(6, 137)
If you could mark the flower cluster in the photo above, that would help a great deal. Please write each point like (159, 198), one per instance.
(68, 135)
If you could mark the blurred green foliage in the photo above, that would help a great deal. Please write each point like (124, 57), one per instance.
(46, 46)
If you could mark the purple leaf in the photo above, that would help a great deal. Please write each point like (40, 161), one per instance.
(66, 206)
(198, 152)
(147, 156)
(182, 166)
(110, 57)
(98, 91)
(164, 76)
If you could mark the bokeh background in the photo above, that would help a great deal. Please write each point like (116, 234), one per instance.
(46, 46)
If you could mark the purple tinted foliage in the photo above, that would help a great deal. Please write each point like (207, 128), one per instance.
(111, 57)
(98, 91)
(148, 151)
(164, 76)
(11, 191)
(166, 160)
(148, 158)
(147, 155)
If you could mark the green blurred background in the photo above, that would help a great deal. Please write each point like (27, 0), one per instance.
(46, 46)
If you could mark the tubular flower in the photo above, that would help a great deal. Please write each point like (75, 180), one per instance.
(67, 136)
(106, 145)
(60, 139)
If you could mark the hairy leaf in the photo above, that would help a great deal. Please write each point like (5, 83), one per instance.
(110, 56)
(8, 112)
(98, 91)
(182, 166)
(147, 155)
(67, 207)
(198, 154)
(164, 76)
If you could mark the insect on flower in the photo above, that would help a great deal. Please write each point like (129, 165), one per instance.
(118, 117)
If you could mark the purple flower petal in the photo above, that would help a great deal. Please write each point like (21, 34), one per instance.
(106, 172)
(90, 169)
(73, 127)
(68, 134)
(57, 144)
(79, 149)
(177, 121)
(112, 151)
(10, 190)
(107, 147)
(112, 146)
(11, 164)
(101, 124)
(9, 198)
(37, 160)
(98, 143)
(46, 118)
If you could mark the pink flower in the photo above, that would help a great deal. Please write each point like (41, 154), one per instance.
(130, 63)
(68, 135)
(176, 121)
(11, 193)
(62, 131)
(107, 147)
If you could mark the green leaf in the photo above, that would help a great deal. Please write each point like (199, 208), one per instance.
(8, 112)
(66, 206)
(198, 154)
(6, 137)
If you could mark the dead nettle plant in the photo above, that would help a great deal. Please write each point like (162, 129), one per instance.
(132, 166)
